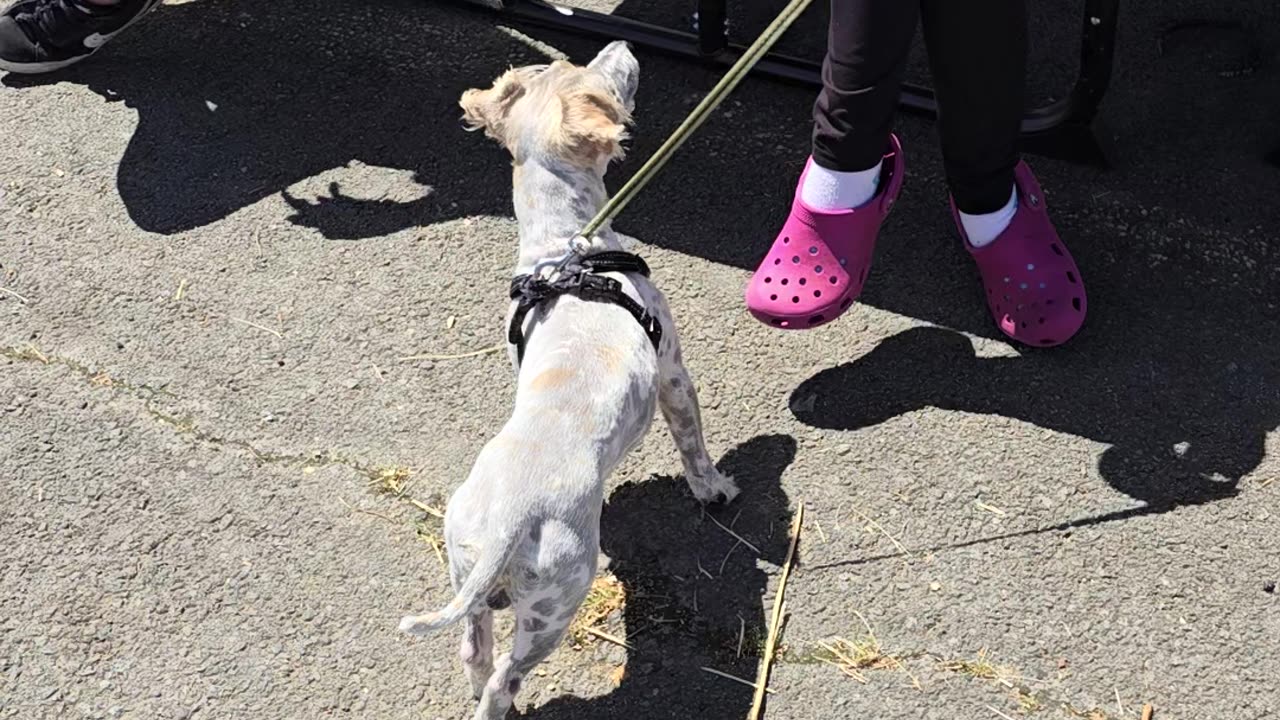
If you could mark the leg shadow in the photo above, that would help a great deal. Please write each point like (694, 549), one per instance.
(1181, 432)
(678, 619)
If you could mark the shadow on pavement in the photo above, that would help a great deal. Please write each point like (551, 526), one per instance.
(678, 619)
(1185, 414)
(238, 100)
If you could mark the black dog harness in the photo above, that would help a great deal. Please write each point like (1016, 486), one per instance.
(579, 276)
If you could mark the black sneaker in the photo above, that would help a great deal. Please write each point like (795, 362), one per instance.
(39, 36)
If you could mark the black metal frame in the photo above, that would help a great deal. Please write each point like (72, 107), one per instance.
(1063, 128)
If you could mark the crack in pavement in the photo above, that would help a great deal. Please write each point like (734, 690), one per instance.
(185, 426)
(33, 354)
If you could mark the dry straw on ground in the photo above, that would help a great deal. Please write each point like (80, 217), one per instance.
(606, 596)
(458, 356)
(851, 657)
(391, 480)
(775, 622)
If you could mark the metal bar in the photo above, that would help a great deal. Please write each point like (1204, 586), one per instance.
(1069, 117)
(1097, 52)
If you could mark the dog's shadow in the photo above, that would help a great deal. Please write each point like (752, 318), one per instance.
(694, 591)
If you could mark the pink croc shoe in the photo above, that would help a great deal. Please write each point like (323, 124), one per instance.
(818, 263)
(1034, 289)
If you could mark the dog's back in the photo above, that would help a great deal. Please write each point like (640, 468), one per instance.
(589, 371)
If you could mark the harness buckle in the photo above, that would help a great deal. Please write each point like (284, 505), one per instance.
(589, 284)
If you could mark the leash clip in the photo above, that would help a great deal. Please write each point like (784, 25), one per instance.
(579, 245)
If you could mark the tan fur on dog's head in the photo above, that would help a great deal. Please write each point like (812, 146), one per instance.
(576, 114)
(487, 109)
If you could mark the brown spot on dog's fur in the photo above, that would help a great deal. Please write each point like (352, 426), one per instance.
(487, 109)
(552, 378)
(610, 356)
(593, 127)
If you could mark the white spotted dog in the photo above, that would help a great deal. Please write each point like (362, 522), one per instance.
(594, 348)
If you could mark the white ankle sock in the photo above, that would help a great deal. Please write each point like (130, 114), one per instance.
(825, 189)
(983, 229)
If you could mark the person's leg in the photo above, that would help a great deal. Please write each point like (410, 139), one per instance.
(44, 35)
(867, 46)
(978, 56)
(818, 263)
(977, 53)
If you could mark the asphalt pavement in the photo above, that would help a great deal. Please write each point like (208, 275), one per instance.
(220, 238)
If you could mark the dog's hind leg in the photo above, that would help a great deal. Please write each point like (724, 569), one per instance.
(477, 650)
(540, 625)
(679, 402)
(476, 647)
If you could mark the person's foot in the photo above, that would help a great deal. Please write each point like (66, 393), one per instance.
(38, 36)
(1033, 287)
(819, 262)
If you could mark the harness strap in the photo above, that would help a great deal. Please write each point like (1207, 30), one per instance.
(579, 277)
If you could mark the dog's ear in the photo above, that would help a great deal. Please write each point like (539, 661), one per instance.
(593, 127)
(622, 70)
(488, 109)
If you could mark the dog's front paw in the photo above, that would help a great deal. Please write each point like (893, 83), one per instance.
(713, 487)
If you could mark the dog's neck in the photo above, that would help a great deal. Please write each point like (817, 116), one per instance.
(553, 203)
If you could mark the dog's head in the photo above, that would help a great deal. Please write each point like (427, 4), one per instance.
(577, 115)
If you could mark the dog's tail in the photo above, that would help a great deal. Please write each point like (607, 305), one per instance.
(475, 589)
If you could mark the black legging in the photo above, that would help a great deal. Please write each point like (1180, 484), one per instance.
(977, 53)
